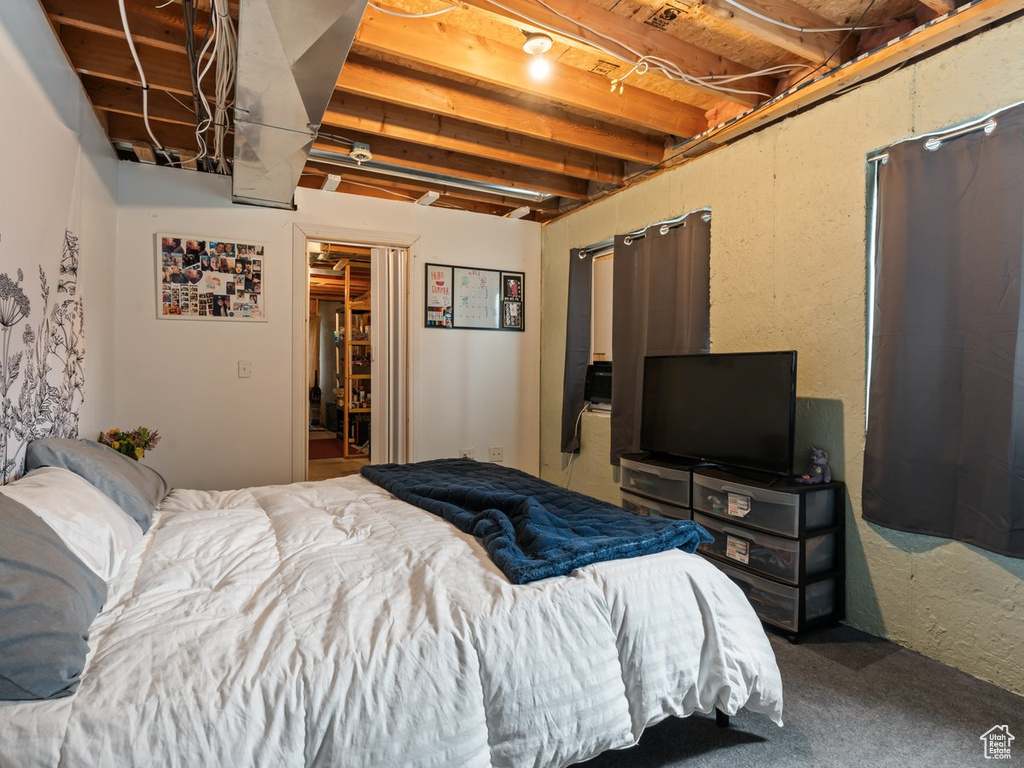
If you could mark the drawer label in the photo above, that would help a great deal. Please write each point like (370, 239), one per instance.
(737, 549)
(739, 505)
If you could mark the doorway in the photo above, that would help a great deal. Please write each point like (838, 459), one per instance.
(376, 315)
(340, 358)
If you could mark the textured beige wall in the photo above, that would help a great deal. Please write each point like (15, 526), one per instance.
(788, 256)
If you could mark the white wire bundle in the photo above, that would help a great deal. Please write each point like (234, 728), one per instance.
(142, 79)
(220, 52)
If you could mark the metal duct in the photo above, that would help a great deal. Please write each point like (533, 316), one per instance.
(290, 54)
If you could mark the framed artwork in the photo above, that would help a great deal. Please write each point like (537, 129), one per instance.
(481, 299)
(209, 278)
(512, 301)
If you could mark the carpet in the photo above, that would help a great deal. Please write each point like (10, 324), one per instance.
(850, 700)
(326, 449)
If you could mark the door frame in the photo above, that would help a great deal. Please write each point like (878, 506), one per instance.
(385, 300)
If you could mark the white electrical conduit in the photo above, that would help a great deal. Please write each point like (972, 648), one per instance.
(142, 78)
(784, 25)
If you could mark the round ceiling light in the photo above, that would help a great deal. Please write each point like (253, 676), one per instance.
(537, 43)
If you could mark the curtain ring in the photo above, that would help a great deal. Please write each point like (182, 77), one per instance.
(627, 241)
(663, 230)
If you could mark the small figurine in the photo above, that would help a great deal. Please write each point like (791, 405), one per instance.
(819, 471)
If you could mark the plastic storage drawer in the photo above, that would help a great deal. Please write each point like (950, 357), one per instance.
(770, 510)
(650, 508)
(768, 554)
(656, 482)
(778, 604)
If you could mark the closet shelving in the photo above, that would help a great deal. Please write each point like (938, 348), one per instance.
(354, 371)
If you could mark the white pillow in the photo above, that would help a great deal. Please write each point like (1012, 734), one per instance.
(98, 531)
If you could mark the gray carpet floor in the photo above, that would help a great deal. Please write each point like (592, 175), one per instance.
(850, 700)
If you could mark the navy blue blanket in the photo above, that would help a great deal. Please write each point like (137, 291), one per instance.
(531, 528)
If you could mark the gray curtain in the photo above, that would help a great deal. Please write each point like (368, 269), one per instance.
(577, 346)
(661, 306)
(946, 411)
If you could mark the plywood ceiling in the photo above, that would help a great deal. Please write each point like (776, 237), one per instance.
(448, 97)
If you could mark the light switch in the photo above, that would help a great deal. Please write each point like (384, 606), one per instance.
(244, 369)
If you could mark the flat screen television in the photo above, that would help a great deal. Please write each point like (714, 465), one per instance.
(737, 410)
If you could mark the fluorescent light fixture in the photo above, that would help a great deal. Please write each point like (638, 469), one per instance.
(429, 198)
(518, 213)
(331, 182)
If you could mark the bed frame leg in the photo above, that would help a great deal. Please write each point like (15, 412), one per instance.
(721, 719)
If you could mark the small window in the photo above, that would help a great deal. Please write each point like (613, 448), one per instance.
(601, 307)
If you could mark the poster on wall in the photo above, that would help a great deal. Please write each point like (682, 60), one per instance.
(210, 278)
(439, 296)
(467, 297)
(512, 301)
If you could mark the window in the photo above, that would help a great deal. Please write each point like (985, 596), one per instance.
(601, 307)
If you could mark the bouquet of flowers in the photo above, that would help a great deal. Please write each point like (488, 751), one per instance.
(134, 443)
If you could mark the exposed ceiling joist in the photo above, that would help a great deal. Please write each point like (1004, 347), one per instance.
(440, 161)
(446, 103)
(431, 42)
(627, 38)
(429, 93)
(816, 47)
(359, 113)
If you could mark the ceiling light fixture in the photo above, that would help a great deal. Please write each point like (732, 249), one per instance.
(429, 198)
(537, 44)
(518, 213)
(331, 182)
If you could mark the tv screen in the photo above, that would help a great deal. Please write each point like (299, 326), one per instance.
(737, 409)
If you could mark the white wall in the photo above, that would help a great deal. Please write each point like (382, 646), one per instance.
(48, 93)
(788, 271)
(467, 388)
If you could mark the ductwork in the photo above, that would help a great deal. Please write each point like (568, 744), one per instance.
(290, 54)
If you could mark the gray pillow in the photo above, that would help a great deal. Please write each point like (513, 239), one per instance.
(48, 599)
(133, 486)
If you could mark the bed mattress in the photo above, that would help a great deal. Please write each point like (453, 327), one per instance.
(329, 624)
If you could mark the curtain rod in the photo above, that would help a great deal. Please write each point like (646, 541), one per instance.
(934, 139)
(663, 228)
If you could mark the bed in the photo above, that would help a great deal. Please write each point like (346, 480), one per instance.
(331, 624)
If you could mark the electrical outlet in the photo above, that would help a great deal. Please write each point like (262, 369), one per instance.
(465, 453)
(496, 454)
(244, 369)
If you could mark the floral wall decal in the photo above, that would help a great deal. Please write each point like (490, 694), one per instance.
(42, 358)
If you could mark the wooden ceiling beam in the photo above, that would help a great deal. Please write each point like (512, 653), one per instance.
(605, 29)
(396, 123)
(96, 55)
(435, 44)
(398, 85)
(153, 26)
(164, 29)
(816, 47)
(93, 53)
(447, 163)
(126, 99)
(360, 113)
(941, 7)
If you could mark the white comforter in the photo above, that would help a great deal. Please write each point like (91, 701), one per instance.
(328, 624)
